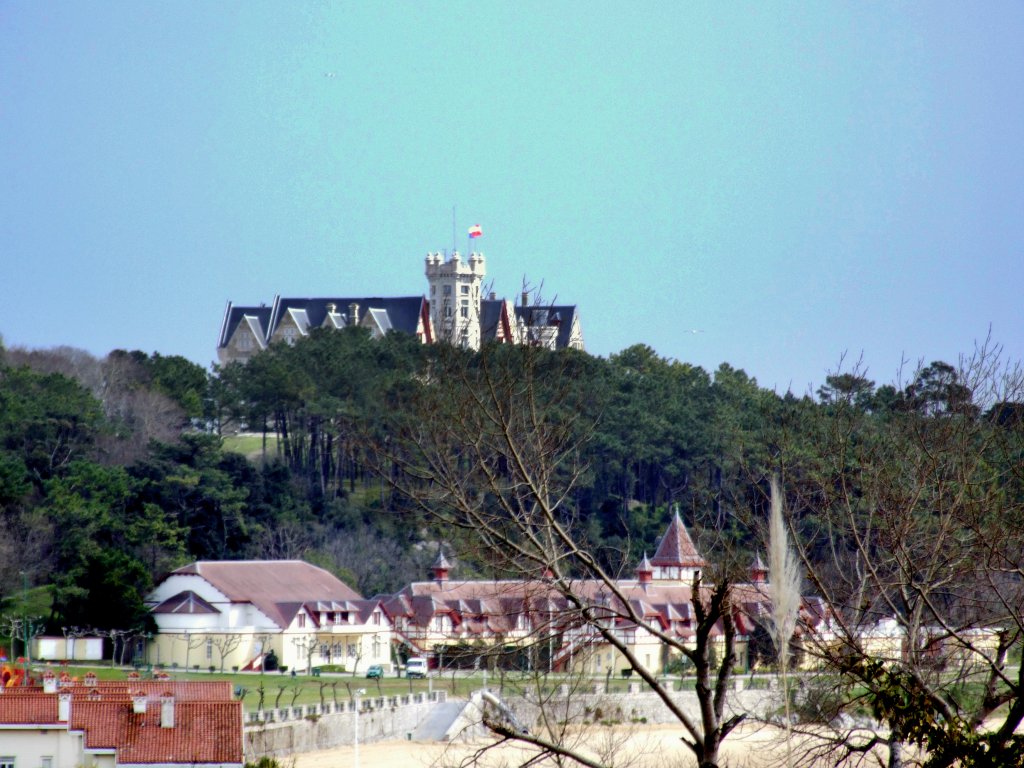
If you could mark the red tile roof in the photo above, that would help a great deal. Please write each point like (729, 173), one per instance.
(676, 548)
(28, 708)
(207, 721)
(203, 731)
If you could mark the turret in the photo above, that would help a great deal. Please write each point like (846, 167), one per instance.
(758, 571)
(454, 297)
(439, 570)
(645, 571)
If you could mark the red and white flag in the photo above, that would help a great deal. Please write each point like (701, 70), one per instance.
(476, 230)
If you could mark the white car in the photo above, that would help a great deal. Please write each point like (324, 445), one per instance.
(416, 666)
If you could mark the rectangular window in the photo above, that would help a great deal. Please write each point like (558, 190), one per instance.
(6, 761)
(302, 620)
(465, 290)
(209, 648)
(447, 290)
(46, 761)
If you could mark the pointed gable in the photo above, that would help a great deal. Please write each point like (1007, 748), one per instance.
(185, 602)
(676, 548)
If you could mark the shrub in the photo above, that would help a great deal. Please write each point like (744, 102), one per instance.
(265, 762)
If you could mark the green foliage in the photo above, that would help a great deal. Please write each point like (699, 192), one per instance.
(898, 698)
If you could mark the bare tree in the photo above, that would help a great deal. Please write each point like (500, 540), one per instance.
(490, 457)
(225, 644)
(909, 516)
(306, 646)
(192, 641)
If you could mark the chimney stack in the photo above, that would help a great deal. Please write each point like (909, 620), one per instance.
(353, 314)
(64, 707)
(139, 703)
(167, 711)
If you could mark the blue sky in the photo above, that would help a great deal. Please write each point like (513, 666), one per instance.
(797, 181)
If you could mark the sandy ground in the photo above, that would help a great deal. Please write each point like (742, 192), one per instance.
(655, 746)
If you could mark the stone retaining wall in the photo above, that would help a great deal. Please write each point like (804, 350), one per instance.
(283, 732)
(637, 706)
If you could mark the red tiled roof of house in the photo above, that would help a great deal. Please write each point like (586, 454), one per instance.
(676, 548)
(27, 708)
(122, 690)
(203, 731)
(195, 690)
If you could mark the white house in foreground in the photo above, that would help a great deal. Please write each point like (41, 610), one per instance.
(233, 613)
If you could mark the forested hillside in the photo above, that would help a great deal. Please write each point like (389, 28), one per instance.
(114, 471)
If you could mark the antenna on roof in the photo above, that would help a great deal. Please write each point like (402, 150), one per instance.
(453, 229)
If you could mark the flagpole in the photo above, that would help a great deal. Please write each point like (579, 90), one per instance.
(453, 229)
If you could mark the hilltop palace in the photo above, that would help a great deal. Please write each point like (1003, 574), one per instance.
(456, 312)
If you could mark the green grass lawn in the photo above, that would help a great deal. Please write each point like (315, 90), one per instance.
(250, 445)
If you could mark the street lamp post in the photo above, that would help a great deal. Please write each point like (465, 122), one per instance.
(355, 740)
(24, 626)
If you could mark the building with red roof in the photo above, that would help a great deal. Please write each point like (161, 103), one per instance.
(157, 724)
(460, 618)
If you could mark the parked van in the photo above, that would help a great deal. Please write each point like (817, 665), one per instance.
(416, 666)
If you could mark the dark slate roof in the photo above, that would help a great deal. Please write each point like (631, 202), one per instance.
(234, 315)
(550, 314)
(490, 318)
(403, 313)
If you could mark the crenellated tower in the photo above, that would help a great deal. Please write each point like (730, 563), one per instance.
(454, 297)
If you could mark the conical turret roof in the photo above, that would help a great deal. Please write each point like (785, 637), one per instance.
(676, 548)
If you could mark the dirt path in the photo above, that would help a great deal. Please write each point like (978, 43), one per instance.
(648, 746)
